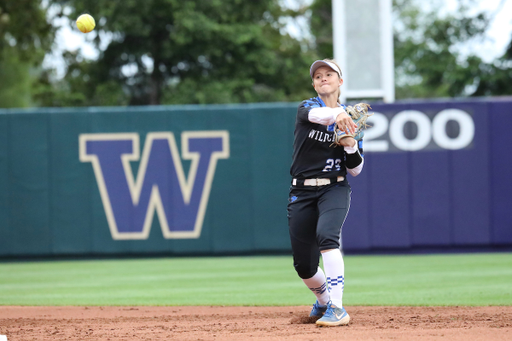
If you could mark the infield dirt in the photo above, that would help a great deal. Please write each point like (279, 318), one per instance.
(252, 323)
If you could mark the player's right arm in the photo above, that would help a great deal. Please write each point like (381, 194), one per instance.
(313, 112)
(325, 115)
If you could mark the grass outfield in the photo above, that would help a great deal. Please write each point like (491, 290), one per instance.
(436, 280)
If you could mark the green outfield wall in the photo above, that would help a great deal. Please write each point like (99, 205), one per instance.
(50, 201)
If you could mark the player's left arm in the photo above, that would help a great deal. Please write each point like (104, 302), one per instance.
(354, 157)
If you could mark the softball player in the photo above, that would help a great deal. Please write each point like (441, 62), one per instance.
(320, 193)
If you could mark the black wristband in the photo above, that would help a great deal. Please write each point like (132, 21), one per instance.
(353, 160)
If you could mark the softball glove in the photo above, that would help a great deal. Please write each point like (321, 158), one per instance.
(359, 114)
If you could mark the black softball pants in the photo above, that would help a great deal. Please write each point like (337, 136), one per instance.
(315, 220)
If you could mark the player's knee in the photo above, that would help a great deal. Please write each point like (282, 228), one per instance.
(328, 243)
(305, 271)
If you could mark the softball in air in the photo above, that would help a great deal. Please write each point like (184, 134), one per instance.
(85, 23)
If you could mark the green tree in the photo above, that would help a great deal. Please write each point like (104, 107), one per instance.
(494, 78)
(428, 58)
(429, 61)
(195, 51)
(321, 27)
(25, 38)
(15, 80)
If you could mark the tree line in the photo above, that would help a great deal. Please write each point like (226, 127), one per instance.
(155, 52)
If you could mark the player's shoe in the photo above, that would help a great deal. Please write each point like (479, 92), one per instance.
(317, 310)
(334, 316)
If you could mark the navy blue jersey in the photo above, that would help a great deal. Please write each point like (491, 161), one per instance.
(312, 155)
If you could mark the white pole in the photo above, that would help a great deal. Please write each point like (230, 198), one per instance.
(339, 41)
(386, 88)
(388, 59)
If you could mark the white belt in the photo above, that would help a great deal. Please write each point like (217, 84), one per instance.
(318, 182)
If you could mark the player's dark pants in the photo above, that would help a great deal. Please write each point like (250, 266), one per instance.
(315, 219)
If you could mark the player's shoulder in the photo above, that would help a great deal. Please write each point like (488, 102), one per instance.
(310, 103)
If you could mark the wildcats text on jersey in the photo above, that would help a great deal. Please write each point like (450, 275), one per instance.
(320, 136)
(161, 185)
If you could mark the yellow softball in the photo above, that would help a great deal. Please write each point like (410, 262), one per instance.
(85, 23)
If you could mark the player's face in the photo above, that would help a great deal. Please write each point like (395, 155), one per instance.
(326, 80)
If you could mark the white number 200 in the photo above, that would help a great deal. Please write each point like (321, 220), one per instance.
(427, 130)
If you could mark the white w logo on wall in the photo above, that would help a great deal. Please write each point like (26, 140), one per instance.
(161, 185)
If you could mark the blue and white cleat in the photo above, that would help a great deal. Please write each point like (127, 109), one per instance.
(334, 316)
(318, 310)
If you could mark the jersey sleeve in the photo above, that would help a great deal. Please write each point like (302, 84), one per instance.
(325, 116)
(304, 108)
(312, 111)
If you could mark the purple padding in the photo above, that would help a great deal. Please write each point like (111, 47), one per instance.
(430, 188)
(470, 183)
(356, 230)
(390, 200)
(501, 171)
